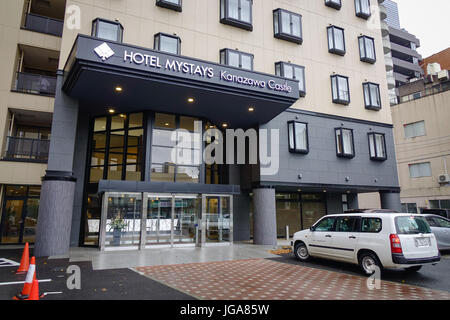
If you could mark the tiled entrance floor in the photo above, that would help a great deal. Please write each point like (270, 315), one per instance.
(262, 279)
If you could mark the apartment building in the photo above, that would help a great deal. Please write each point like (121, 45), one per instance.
(422, 134)
(130, 73)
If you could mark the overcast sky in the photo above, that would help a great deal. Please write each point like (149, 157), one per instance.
(429, 21)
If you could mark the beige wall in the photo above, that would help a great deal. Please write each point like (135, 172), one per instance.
(203, 36)
(434, 147)
(11, 35)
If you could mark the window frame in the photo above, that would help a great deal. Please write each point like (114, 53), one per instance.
(365, 58)
(226, 19)
(170, 5)
(375, 218)
(333, 4)
(343, 154)
(94, 29)
(314, 226)
(360, 13)
(338, 100)
(334, 50)
(369, 104)
(376, 157)
(282, 65)
(420, 176)
(277, 16)
(415, 123)
(157, 42)
(240, 53)
(295, 149)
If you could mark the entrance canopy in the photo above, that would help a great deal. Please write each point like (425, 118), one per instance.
(105, 74)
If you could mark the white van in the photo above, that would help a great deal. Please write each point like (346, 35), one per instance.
(387, 240)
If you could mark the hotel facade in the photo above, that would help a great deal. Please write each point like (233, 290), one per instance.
(94, 92)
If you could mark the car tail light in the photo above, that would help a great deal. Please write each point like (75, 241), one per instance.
(396, 246)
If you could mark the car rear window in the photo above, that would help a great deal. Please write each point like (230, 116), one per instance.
(371, 225)
(411, 225)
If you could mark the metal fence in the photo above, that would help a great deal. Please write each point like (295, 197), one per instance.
(35, 83)
(44, 24)
(26, 148)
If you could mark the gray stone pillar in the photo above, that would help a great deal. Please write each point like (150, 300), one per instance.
(264, 217)
(391, 200)
(352, 201)
(58, 185)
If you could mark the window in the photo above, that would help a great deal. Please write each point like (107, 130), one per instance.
(336, 40)
(170, 4)
(367, 49)
(344, 143)
(336, 4)
(174, 160)
(292, 71)
(439, 204)
(117, 148)
(237, 13)
(372, 96)
(346, 224)
(107, 30)
(415, 129)
(287, 26)
(411, 225)
(167, 43)
(377, 146)
(326, 224)
(340, 89)
(236, 59)
(371, 225)
(419, 170)
(362, 8)
(441, 222)
(298, 137)
(409, 208)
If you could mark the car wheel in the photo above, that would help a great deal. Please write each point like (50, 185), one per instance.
(413, 269)
(367, 261)
(301, 251)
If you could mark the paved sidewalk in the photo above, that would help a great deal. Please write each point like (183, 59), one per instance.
(262, 279)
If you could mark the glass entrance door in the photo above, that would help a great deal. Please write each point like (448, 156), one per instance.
(185, 218)
(12, 221)
(217, 219)
(159, 220)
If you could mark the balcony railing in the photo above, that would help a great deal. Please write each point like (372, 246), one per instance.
(35, 83)
(26, 149)
(43, 24)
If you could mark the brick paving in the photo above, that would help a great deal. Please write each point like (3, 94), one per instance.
(261, 279)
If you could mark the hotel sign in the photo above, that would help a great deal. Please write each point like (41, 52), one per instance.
(162, 63)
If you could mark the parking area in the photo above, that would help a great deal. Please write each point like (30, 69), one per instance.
(272, 279)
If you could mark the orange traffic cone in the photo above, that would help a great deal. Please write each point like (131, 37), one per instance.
(25, 261)
(31, 276)
(34, 295)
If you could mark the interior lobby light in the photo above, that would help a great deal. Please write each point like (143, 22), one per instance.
(251, 109)
(118, 89)
(190, 100)
(111, 110)
(224, 125)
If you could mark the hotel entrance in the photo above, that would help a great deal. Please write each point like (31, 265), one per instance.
(144, 220)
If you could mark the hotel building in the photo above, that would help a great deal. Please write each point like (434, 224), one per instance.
(105, 84)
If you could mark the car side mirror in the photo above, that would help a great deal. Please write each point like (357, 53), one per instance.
(312, 229)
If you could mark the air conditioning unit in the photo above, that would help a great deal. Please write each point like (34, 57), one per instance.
(444, 178)
(443, 75)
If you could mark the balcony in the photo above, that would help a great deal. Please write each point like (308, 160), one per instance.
(35, 83)
(44, 24)
(44, 16)
(26, 149)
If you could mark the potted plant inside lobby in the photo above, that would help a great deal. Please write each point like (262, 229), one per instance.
(117, 224)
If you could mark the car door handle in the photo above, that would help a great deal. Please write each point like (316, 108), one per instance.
(328, 236)
(352, 237)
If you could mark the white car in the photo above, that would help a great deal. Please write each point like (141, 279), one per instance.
(386, 240)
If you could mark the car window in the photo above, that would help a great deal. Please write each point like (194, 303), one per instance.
(373, 225)
(346, 224)
(431, 222)
(326, 224)
(412, 225)
(443, 223)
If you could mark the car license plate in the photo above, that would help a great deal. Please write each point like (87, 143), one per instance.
(422, 242)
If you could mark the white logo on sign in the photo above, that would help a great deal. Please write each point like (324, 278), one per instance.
(104, 51)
